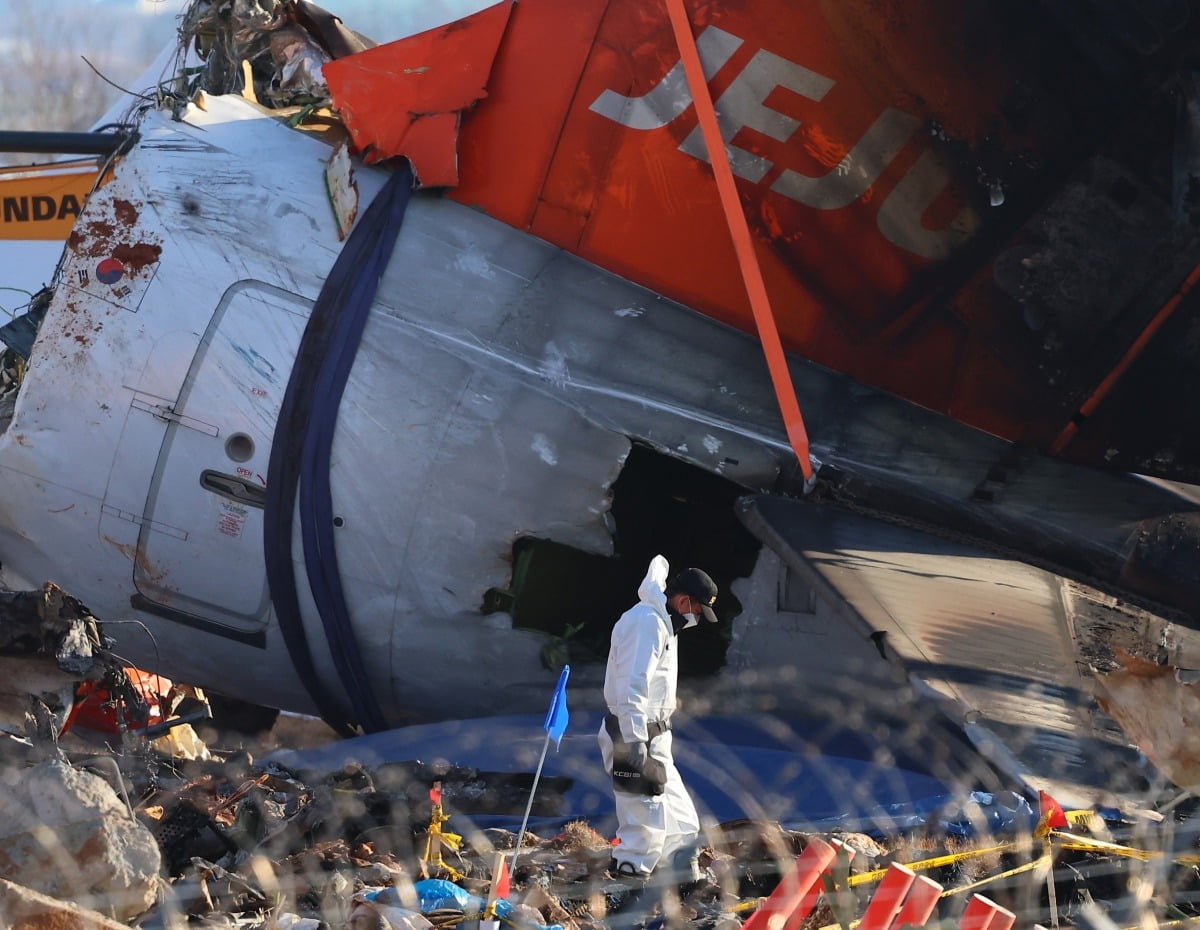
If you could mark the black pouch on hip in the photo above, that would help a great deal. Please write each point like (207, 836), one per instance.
(650, 780)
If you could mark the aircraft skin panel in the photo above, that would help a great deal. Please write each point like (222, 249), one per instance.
(610, 350)
(439, 74)
(898, 184)
(991, 636)
(646, 206)
(439, 488)
(547, 46)
(792, 649)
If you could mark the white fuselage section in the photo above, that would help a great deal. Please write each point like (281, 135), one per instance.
(494, 394)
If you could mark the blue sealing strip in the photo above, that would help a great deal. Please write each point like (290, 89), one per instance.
(301, 456)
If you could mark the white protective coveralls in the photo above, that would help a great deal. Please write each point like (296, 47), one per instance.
(639, 688)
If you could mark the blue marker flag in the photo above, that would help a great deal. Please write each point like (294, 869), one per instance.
(557, 716)
(556, 726)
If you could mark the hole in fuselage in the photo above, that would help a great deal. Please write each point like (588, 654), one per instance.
(659, 505)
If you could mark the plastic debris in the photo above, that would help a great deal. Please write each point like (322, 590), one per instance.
(436, 894)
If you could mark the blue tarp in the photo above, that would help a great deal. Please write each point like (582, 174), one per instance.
(790, 772)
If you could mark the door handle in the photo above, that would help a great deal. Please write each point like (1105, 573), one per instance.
(236, 489)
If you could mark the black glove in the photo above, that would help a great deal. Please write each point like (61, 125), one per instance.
(637, 756)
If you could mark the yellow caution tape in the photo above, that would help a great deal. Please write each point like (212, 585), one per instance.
(1062, 840)
(1044, 860)
(1085, 818)
(937, 861)
(1086, 844)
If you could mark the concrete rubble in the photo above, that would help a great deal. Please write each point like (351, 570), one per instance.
(23, 908)
(65, 832)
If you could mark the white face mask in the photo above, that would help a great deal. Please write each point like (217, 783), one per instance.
(692, 620)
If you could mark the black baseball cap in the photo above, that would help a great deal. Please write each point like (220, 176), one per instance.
(698, 586)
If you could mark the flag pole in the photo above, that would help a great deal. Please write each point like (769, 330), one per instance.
(528, 807)
(555, 726)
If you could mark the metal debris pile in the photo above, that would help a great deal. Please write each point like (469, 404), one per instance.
(269, 50)
(49, 644)
(16, 343)
(239, 843)
(139, 827)
(12, 370)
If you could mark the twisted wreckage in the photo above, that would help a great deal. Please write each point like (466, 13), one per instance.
(368, 367)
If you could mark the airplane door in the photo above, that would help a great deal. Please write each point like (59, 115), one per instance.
(200, 545)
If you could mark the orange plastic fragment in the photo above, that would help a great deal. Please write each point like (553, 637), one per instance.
(95, 708)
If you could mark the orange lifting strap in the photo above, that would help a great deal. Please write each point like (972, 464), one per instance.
(739, 229)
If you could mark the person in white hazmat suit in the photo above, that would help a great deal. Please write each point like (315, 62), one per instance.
(656, 818)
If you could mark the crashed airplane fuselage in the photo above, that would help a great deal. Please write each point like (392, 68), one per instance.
(404, 474)
(496, 390)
